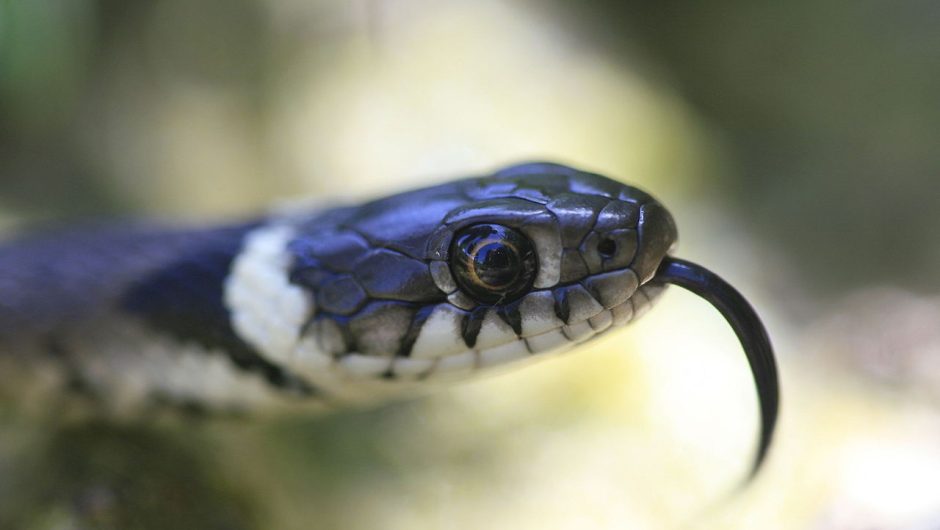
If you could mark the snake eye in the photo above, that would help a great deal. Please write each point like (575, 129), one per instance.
(493, 263)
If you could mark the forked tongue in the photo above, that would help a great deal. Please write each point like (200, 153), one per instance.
(750, 331)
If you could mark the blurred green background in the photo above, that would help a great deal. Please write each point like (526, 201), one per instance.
(795, 143)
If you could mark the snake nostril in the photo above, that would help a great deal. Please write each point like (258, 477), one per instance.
(607, 247)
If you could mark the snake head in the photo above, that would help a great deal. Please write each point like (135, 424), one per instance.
(442, 282)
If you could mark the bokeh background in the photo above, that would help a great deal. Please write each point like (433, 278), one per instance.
(795, 142)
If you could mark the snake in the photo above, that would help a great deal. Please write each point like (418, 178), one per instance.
(318, 308)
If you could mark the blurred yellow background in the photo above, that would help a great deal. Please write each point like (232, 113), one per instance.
(795, 144)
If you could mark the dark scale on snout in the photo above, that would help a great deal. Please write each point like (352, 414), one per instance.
(377, 271)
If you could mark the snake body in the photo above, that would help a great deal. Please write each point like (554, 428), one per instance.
(341, 305)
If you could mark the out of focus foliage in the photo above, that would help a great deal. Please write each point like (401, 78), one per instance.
(828, 116)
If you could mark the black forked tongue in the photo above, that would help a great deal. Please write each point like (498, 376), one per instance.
(749, 329)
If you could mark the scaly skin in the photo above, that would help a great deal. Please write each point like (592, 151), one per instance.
(344, 305)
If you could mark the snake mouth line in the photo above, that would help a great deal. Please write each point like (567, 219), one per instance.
(500, 352)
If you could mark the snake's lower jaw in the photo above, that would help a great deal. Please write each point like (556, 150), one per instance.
(440, 355)
(749, 330)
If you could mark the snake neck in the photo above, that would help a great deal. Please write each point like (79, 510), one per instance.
(129, 316)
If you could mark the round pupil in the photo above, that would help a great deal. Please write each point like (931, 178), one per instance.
(496, 264)
(493, 263)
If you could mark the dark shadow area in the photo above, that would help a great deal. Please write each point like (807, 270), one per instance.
(103, 476)
(828, 116)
